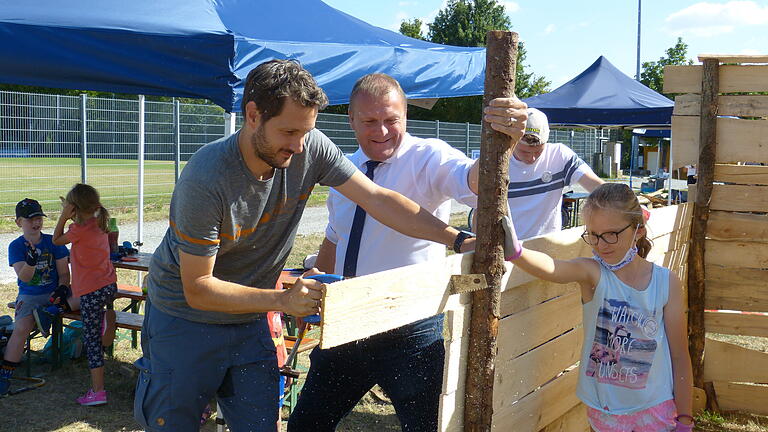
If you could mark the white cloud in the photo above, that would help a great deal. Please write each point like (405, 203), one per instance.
(710, 19)
(510, 6)
(549, 29)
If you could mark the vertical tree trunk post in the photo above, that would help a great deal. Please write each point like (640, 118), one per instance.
(501, 55)
(706, 172)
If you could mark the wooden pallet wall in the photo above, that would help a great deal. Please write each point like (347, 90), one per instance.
(736, 245)
(540, 333)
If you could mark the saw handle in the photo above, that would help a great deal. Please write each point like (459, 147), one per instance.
(322, 278)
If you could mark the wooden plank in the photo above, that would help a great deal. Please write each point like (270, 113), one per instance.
(736, 254)
(532, 327)
(735, 275)
(742, 397)
(740, 198)
(741, 140)
(735, 323)
(733, 78)
(734, 296)
(742, 174)
(685, 141)
(451, 417)
(729, 362)
(517, 377)
(737, 226)
(521, 297)
(455, 365)
(575, 420)
(674, 259)
(564, 245)
(539, 408)
(667, 243)
(669, 219)
(742, 105)
(735, 58)
(363, 306)
(737, 288)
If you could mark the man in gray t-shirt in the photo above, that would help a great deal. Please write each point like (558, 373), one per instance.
(233, 218)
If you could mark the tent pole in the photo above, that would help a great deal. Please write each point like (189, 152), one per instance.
(140, 222)
(669, 198)
(632, 158)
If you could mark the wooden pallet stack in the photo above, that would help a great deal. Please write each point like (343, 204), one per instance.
(720, 123)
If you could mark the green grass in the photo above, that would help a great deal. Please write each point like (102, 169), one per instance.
(45, 179)
(52, 407)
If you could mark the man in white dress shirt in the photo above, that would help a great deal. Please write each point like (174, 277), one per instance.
(406, 362)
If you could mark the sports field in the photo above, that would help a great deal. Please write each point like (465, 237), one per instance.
(45, 179)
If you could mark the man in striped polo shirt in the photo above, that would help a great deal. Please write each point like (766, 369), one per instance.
(538, 173)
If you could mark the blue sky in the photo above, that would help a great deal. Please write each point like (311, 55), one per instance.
(563, 37)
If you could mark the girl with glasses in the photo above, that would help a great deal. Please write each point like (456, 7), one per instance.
(635, 373)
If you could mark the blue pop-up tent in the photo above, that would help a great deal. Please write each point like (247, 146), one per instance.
(205, 48)
(604, 96)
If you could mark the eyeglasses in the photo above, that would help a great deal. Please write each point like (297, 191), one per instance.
(610, 237)
(531, 140)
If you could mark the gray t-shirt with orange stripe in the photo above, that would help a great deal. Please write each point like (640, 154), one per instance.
(219, 208)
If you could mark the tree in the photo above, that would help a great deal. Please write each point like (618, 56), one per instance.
(653, 72)
(412, 28)
(466, 23)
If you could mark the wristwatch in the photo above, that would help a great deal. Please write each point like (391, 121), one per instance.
(460, 237)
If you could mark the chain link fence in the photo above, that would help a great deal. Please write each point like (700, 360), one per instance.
(50, 142)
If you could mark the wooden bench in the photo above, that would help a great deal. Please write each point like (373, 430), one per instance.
(136, 296)
(306, 344)
(130, 292)
(124, 320)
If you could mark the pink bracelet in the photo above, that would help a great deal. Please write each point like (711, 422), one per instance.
(515, 256)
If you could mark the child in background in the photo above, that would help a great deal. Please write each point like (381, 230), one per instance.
(635, 372)
(42, 269)
(93, 277)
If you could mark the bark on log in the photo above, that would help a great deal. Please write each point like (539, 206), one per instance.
(706, 173)
(501, 56)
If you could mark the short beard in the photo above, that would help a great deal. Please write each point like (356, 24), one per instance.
(262, 150)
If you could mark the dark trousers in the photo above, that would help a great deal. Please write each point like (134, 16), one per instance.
(406, 362)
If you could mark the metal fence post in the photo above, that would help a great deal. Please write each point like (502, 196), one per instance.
(176, 139)
(466, 143)
(230, 120)
(437, 129)
(83, 138)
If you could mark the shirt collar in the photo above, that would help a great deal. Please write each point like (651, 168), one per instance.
(359, 158)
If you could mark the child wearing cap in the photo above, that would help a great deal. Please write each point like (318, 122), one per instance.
(42, 269)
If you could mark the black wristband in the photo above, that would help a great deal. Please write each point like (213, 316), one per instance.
(460, 237)
(31, 257)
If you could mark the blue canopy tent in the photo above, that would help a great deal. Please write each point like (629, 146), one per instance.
(205, 48)
(604, 96)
